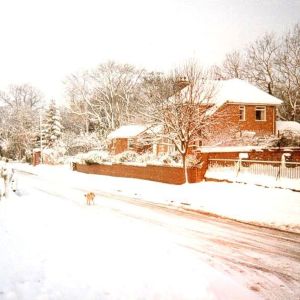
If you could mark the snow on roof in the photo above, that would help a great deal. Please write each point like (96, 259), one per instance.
(288, 126)
(238, 91)
(127, 131)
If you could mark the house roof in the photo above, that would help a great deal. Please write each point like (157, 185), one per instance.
(288, 126)
(127, 131)
(240, 91)
(130, 131)
(235, 91)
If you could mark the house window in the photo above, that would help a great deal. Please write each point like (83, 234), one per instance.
(130, 145)
(260, 113)
(242, 113)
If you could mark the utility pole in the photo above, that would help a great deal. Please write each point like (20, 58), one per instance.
(41, 138)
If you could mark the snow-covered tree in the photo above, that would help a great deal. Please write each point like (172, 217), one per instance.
(104, 97)
(187, 116)
(52, 125)
(19, 107)
(272, 63)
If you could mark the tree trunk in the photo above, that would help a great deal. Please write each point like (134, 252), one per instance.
(185, 170)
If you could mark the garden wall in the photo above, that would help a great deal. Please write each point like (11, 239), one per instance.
(166, 174)
(175, 175)
(271, 154)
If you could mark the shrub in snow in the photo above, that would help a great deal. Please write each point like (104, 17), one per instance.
(166, 159)
(126, 156)
(191, 161)
(55, 154)
(95, 157)
(146, 157)
(288, 139)
(84, 142)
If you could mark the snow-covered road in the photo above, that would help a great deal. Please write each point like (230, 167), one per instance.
(53, 246)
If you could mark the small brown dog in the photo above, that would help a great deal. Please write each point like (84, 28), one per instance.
(89, 198)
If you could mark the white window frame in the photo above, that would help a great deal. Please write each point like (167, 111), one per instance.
(242, 114)
(262, 109)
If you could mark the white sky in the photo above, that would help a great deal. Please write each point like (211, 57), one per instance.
(43, 41)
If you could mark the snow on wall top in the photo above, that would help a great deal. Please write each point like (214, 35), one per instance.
(208, 149)
(127, 131)
(288, 126)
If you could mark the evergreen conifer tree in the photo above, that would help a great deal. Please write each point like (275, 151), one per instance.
(52, 125)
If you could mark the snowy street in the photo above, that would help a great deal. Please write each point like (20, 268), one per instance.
(54, 246)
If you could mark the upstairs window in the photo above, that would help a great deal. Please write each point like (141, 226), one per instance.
(260, 113)
(242, 113)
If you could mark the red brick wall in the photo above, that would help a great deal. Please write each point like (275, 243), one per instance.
(260, 127)
(155, 173)
(36, 158)
(274, 154)
(175, 175)
(228, 124)
(118, 146)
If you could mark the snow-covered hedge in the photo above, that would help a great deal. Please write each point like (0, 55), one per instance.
(126, 156)
(92, 157)
(129, 157)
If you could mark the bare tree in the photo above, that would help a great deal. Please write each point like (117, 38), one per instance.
(233, 67)
(288, 66)
(79, 92)
(19, 118)
(271, 63)
(19, 96)
(187, 115)
(260, 63)
(106, 95)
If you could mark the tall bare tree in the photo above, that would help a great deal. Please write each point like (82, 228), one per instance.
(271, 63)
(19, 118)
(106, 95)
(233, 67)
(288, 66)
(187, 115)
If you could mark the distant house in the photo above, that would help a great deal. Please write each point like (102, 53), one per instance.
(138, 138)
(248, 110)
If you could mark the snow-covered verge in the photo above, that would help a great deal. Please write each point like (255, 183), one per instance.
(276, 208)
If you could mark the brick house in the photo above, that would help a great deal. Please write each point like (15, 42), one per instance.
(246, 109)
(249, 108)
(138, 138)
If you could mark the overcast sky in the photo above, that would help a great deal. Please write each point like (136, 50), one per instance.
(42, 41)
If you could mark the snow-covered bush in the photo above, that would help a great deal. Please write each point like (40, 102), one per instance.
(93, 157)
(166, 159)
(126, 156)
(84, 142)
(170, 159)
(191, 161)
(146, 157)
(54, 155)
